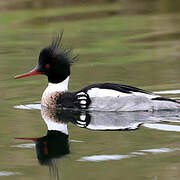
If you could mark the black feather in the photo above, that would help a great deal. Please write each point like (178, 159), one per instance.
(58, 58)
(165, 99)
(57, 49)
(117, 87)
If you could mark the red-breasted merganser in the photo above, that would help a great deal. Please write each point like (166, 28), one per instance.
(55, 62)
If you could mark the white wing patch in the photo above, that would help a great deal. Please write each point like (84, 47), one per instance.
(97, 92)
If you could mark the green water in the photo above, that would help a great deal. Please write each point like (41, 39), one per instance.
(130, 42)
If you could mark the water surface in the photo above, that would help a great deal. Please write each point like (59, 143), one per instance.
(135, 43)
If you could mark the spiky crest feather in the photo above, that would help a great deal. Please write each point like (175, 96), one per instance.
(56, 48)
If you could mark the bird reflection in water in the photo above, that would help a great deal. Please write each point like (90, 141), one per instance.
(55, 144)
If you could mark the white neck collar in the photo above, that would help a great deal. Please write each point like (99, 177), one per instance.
(58, 87)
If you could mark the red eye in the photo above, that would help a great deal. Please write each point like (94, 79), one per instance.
(47, 66)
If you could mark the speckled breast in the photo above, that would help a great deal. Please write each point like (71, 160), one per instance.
(50, 99)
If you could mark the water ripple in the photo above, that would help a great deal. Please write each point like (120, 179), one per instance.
(163, 127)
(8, 173)
(168, 92)
(30, 145)
(99, 158)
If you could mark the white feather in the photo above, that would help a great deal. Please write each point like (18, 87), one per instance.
(83, 102)
(112, 100)
(130, 103)
(52, 88)
(97, 92)
(57, 87)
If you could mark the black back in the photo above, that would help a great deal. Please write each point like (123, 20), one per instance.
(117, 87)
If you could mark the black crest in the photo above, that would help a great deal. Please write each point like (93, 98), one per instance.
(55, 60)
(57, 49)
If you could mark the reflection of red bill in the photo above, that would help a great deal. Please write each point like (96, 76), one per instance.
(30, 139)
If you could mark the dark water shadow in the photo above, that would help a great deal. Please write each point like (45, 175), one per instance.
(42, 4)
(73, 17)
(85, 16)
(158, 37)
(138, 5)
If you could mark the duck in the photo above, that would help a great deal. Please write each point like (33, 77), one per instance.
(55, 62)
